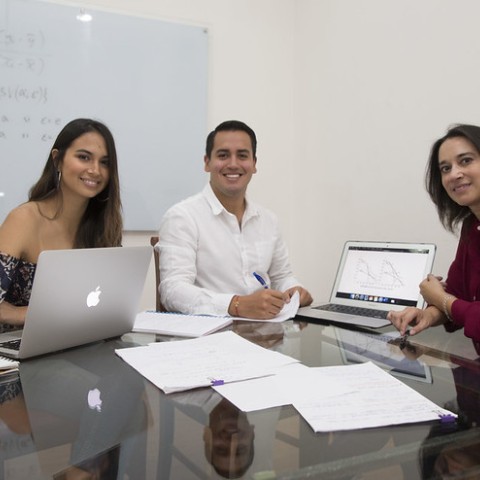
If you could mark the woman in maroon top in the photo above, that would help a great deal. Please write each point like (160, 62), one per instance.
(453, 182)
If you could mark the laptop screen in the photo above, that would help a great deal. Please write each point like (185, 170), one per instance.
(387, 274)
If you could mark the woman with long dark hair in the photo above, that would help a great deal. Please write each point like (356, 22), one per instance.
(74, 204)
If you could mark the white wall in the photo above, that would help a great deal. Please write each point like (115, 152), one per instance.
(346, 97)
(377, 81)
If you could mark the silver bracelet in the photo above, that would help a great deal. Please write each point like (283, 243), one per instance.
(446, 298)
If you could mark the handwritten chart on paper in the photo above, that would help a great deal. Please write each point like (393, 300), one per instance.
(145, 78)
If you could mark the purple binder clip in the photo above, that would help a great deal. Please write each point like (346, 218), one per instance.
(216, 383)
(446, 418)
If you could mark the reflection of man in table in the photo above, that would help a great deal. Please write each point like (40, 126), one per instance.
(235, 443)
(229, 440)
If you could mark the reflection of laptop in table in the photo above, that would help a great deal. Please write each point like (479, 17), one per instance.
(86, 404)
(80, 296)
(372, 279)
(360, 347)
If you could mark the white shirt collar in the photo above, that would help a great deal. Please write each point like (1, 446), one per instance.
(217, 207)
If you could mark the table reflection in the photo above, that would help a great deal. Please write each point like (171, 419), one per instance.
(453, 450)
(228, 438)
(87, 406)
(85, 414)
(104, 466)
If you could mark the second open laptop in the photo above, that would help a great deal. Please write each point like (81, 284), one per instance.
(80, 296)
(372, 279)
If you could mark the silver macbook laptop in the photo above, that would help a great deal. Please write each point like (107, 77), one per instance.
(80, 296)
(372, 279)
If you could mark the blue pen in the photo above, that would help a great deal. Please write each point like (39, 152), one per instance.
(260, 279)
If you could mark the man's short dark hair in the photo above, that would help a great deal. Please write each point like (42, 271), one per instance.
(232, 126)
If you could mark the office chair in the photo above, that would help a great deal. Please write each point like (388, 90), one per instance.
(156, 256)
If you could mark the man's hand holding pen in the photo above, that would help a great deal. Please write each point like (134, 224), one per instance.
(305, 297)
(266, 303)
(263, 304)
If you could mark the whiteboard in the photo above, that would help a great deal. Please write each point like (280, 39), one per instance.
(144, 78)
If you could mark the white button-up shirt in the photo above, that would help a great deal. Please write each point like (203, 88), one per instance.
(206, 257)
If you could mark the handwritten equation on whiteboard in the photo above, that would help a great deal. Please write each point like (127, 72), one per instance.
(146, 79)
(20, 94)
(22, 51)
(12, 126)
(23, 55)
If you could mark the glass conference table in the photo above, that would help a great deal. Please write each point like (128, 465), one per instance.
(84, 413)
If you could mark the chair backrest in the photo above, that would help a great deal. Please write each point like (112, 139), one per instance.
(156, 256)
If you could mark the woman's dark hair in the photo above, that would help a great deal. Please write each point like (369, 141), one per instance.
(101, 224)
(451, 214)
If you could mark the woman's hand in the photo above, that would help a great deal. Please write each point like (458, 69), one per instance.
(416, 318)
(433, 290)
(11, 314)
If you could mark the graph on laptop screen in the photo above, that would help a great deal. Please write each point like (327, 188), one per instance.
(382, 275)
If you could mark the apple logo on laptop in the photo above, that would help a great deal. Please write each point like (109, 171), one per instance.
(93, 298)
(94, 400)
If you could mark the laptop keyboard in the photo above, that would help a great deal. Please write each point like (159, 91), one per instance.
(364, 312)
(11, 344)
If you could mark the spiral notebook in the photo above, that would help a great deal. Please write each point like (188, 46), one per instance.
(178, 324)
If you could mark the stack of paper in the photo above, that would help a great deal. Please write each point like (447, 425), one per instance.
(346, 397)
(7, 364)
(211, 360)
(8, 369)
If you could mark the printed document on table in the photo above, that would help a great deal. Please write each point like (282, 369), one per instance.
(288, 311)
(210, 360)
(376, 399)
(290, 382)
(179, 325)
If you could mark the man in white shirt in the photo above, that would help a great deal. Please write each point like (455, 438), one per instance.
(211, 244)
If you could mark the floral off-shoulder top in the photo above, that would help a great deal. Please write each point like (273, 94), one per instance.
(16, 279)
